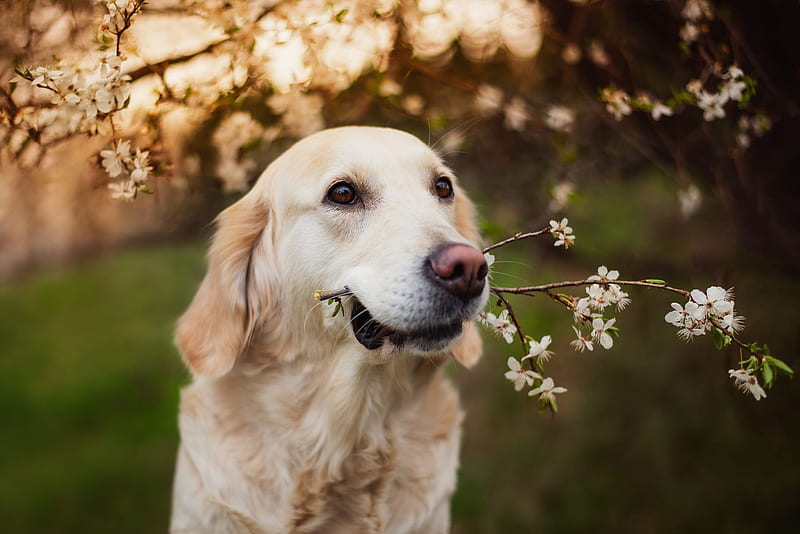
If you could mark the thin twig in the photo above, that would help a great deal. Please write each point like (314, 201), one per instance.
(577, 283)
(517, 237)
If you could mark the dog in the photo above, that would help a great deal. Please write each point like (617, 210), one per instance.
(302, 421)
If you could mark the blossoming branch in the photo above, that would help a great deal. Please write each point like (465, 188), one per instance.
(711, 311)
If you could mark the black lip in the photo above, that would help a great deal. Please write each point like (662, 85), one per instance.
(367, 330)
(372, 334)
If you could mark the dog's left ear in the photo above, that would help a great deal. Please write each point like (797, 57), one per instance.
(227, 308)
(467, 350)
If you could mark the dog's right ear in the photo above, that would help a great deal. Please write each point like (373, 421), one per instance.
(228, 307)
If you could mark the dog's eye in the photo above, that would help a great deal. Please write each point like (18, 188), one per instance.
(444, 188)
(342, 193)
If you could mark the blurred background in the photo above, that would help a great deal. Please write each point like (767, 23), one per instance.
(544, 109)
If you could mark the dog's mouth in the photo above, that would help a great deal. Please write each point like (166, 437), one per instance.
(373, 334)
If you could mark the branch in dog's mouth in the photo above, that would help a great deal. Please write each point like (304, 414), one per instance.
(332, 294)
(372, 333)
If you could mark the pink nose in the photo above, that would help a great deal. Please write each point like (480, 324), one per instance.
(460, 269)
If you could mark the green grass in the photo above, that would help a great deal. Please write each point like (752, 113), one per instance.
(89, 385)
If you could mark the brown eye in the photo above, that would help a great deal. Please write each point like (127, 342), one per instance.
(444, 188)
(342, 193)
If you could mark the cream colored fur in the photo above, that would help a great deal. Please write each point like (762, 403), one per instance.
(291, 425)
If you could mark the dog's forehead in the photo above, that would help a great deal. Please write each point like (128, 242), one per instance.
(376, 152)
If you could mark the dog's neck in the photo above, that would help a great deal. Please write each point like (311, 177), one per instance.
(332, 405)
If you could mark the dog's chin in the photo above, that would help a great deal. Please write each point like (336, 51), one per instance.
(374, 335)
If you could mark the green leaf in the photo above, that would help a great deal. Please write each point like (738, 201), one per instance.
(549, 404)
(779, 365)
(340, 15)
(769, 376)
(146, 190)
(720, 339)
(656, 281)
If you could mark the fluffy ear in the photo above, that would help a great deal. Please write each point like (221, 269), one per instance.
(467, 350)
(225, 311)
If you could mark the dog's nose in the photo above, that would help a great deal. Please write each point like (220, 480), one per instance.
(460, 269)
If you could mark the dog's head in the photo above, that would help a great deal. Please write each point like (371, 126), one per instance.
(371, 209)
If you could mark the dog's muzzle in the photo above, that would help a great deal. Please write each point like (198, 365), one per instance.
(456, 275)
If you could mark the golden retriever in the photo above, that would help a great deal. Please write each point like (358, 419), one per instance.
(298, 421)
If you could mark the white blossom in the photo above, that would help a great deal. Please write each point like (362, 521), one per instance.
(617, 296)
(712, 105)
(571, 54)
(582, 341)
(125, 190)
(413, 104)
(559, 118)
(516, 114)
(499, 325)
(747, 383)
(547, 390)
(583, 309)
(696, 10)
(617, 102)
(660, 110)
(600, 332)
(604, 275)
(520, 376)
(538, 349)
(562, 233)
(690, 200)
(140, 168)
(488, 99)
(115, 159)
(597, 53)
(689, 32)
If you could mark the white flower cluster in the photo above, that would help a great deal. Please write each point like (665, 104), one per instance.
(704, 312)
(230, 137)
(545, 388)
(756, 125)
(119, 13)
(537, 352)
(589, 310)
(479, 26)
(562, 233)
(694, 13)
(490, 100)
(617, 102)
(731, 88)
(133, 169)
(78, 96)
(316, 43)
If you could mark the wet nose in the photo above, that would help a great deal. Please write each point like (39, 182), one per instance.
(458, 268)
